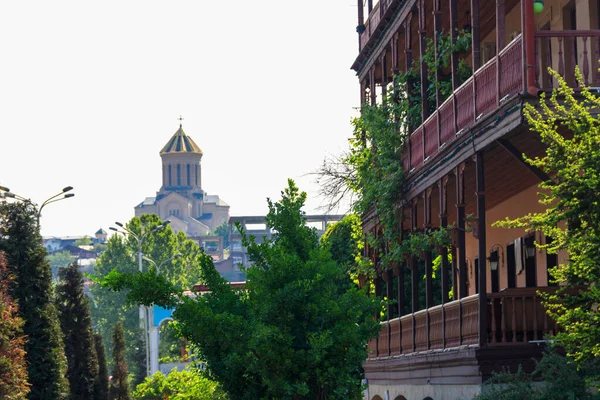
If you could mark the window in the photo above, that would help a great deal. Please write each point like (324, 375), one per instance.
(188, 175)
(178, 174)
(174, 211)
(170, 183)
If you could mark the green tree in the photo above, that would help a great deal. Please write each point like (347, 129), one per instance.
(297, 331)
(572, 211)
(178, 385)
(75, 320)
(59, 260)
(84, 241)
(13, 368)
(26, 259)
(119, 386)
(101, 390)
(223, 231)
(121, 255)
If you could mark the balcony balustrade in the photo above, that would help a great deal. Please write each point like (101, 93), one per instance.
(516, 317)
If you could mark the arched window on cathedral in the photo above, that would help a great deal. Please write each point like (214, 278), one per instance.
(170, 181)
(196, 174)
(178, 174)
(188, 175)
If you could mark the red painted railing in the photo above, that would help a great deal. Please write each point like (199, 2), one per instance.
(474, 99)
(515, 317)
(563, 51)
(430, 135)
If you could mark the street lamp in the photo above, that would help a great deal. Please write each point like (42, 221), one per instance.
(8, 194)
(176, 256)
(144, 319)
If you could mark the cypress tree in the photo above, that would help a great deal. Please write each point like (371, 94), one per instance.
(101, 392)
(20, 239)
(13, 369)
(119, 387)
(76, 323)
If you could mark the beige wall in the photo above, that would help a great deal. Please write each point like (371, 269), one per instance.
(522, 203)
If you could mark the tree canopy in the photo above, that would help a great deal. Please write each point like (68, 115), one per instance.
(572, 214)
(298, 330)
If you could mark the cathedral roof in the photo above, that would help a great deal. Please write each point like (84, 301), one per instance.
(180, 143)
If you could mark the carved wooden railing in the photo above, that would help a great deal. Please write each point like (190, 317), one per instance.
(479, 96)
(562, 51)
(515, 317)
(424, 330)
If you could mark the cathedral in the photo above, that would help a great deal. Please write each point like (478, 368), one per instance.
(181, 199)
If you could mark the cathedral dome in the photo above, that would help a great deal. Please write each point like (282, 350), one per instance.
(180, 143)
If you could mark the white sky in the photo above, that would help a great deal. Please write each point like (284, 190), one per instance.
(91, 91)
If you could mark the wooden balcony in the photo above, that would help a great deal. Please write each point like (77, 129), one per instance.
(372, 23)
(500, 80)
(516, 317)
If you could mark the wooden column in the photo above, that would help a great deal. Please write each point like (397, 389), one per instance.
(423, 65)
(372, 85)
(475, 39)
(528, 22)
(401, 269)
(428, 261)
(482, 249)
(382, 61)
(500, 42)
(390, 293)
(427, 255)
(369, 6)
(361, 13)
(460, 225)
(437, 29)
(454, 58)
(442, 184)
(414, 275)
(395, 66)
(408, 57)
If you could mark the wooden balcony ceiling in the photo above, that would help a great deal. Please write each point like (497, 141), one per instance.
(504, 175)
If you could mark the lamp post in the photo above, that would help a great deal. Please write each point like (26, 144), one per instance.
(153, 331)
(8, 194)
(144, 320)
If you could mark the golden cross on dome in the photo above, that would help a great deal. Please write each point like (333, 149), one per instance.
(180, 119)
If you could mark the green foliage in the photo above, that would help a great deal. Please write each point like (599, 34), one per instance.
(442, 63)
(223, 231)
(84, 241)
(346, 244)
(101, 388)
(58, 260)
(560, 380)
(297, 331)
(119, 384)
(76, 323)
(169, 347)
(26, 259)
(121, 256)
(178, 385)
(13, 368)
(572, 214)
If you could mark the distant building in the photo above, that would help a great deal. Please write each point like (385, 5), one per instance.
(60, 243)
(181, 198)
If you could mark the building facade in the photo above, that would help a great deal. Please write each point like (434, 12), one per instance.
(465, 171)
(181, 199)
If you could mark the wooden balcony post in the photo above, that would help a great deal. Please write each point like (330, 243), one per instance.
(443, 198)
(372, 85)
(427, 257)
(443, 192)
(528, 24)
(500, 42)
(390, 293)
(454, 57)
(395, 66)
(361, 13)
(460, 225)
(363, 88)
(482, 249)
(408, 58)
(382, 61)
(369, 6)
(423, 48)
(414, 275)
(475, 39)
(437, 29)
